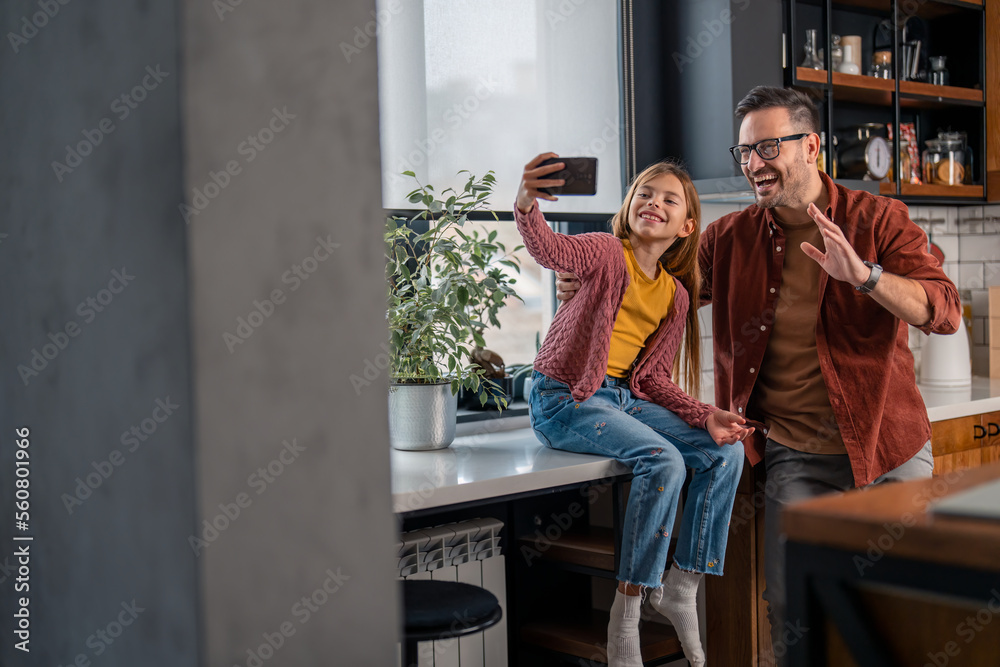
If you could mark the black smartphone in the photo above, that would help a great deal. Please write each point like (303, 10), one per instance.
(580, 174)
(756, 424)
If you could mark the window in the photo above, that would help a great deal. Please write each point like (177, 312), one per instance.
(486, 85)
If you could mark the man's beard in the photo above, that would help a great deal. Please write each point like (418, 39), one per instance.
(792, 186)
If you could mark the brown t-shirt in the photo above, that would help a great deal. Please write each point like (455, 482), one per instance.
(790, 393)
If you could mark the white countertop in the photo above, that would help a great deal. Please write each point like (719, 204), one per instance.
(490, 465)
(983, 395)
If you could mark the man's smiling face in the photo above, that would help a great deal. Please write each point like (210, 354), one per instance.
(781, 181)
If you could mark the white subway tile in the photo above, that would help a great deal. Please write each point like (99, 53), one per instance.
(710, 212)
(705, 319)
(991, 211)
(970, 275)
(981, 302)
(979, 331)
(970, 213)
(991, 274)
(919, 213)
(951, 270)
(981, 360)
(949, 244)
(978, 249)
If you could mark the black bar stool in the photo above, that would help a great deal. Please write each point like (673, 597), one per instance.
(435, 610)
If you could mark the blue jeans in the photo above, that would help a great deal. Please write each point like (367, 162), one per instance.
(659, 447)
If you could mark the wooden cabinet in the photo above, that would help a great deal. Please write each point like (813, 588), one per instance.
(965, 442)
(956, 29)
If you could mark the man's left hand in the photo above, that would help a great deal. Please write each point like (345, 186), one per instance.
(839, 260)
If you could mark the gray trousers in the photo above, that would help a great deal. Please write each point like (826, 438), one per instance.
(793, 476)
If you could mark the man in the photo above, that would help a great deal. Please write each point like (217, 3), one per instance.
(811, 290)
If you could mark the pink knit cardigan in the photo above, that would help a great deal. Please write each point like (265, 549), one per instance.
(576, 347)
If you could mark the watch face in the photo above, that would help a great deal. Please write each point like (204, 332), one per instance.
(877, 157)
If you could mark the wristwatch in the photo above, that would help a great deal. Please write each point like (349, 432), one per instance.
(869, 284)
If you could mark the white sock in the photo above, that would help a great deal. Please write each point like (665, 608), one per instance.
(623, 631)
(677, 599)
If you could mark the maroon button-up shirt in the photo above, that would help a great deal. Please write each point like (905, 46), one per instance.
(863, 348)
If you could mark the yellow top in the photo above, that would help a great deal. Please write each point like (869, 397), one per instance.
(647, 302)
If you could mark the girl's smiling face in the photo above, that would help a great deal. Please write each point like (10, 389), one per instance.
(659, 211)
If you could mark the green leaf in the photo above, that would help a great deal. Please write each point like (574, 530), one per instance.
(410, 174)
(415, 197)
(492, 236)
(463, 296)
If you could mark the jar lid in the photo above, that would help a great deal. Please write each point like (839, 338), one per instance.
(882, 58)
(933, 145)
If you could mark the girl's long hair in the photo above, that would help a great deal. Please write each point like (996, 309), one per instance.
(680, 260)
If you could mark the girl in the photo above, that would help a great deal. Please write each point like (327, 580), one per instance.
(602, 385)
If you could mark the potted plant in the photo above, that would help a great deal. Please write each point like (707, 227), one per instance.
(444, 285)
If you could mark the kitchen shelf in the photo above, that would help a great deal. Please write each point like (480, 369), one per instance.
(587, 637)
(926, 10)
(852, 87)
(913, 94)
(927, 95)
(592, 547)
(922, 190)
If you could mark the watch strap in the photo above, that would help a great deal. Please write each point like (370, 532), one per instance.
(869, 285)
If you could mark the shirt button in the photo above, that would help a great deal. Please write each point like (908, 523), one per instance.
(739, 409)
(763, 328)
(752, 370)
(772, 290)
(778, 248)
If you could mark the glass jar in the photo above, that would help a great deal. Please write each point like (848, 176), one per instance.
(811, 57)
(836, 52)
(944, 162)
(881, 65)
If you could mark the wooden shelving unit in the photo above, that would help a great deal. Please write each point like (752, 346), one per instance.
(590, 547)
(954, 28)
(585, 637)
(936, 191)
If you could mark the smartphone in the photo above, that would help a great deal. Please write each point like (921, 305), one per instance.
(580, 174)
(756, 424)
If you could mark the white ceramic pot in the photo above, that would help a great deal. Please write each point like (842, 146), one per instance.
(944, 360)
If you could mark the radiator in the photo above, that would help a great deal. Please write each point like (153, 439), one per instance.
(469, 552)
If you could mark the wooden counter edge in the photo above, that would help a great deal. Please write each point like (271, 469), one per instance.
(893, 519)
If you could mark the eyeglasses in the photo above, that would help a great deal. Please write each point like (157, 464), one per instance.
(767, 149)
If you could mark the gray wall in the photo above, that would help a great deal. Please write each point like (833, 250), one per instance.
(328, 509)
(127, 540)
